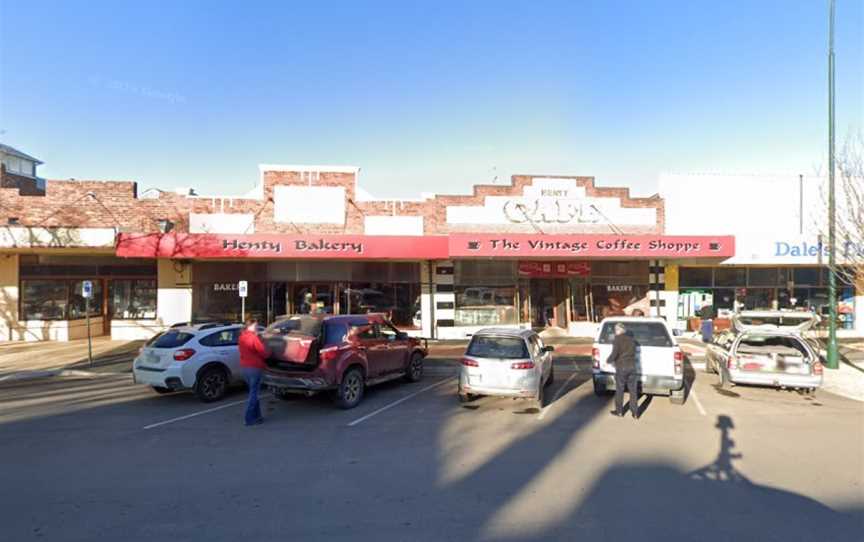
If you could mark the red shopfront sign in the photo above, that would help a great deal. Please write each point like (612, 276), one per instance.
(433, 247)
(347, 247)
(590, 245)
(554, 269)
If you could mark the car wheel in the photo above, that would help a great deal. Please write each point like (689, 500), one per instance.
(415, 368)
(538, 402)
(600, 390)
(677, 397)
(212, 384)
(350, 391)
(160, 390)
(551, 378)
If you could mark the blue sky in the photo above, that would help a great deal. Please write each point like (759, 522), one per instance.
(424, 96)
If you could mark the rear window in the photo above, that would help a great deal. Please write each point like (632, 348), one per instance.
(768, 345)
(299, 325)
(172, 339)
(644, 333)
(335, 332)
(497, 347)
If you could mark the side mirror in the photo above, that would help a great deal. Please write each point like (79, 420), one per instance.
(676, 332)
(548, 348)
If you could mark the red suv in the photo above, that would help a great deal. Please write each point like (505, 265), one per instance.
(342, 354)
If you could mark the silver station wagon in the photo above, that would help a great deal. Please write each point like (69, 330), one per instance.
(506, 363)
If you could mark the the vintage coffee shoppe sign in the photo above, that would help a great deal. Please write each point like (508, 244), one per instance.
(433, 247)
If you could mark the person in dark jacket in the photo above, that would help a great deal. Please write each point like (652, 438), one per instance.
(252, 356)
(623, 358)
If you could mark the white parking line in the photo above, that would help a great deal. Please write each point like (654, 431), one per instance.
(557, 395)
(200, 412)
(697, 402)
(394, 403)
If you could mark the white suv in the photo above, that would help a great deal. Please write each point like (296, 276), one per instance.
(203, 358)
(659, 359)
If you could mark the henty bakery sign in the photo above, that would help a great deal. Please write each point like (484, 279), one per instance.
(596, 246)
(203, 246)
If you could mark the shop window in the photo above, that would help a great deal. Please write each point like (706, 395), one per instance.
(764, 276)
(694, 277)
(806, 276)
(400, 302)
(485, 272)
(723, 298)
(132, 299)
(220, 302)
(759, 298)
(485, 305)
(78, 303)
(620, 300)
(44, 299)
(730, 276)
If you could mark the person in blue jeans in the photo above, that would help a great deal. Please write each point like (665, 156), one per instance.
(252, 356)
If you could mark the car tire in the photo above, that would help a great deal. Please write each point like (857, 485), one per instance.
(414, 373)
(677, 397)
(464, 397)
(600, 391)
(211, 384)
(538, 402)
(551, 378)
(160, 390)
(350, 390)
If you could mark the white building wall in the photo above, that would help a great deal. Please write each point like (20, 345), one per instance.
(393, 225)
(309, 204)
(240, 223)
(174, 298)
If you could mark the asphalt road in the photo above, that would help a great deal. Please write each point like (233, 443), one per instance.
(103, 459)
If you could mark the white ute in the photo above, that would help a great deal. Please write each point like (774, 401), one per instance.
(659, 359)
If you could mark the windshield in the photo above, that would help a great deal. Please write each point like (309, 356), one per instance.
(172, 339)
(497, 347)
(644, 333)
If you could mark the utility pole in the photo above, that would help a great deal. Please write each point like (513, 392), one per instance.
(832, 261)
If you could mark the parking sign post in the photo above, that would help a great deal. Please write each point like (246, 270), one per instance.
(242, 289)
(87, 293)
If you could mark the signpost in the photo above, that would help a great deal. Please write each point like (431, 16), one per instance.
(242, 289)
(87, 293)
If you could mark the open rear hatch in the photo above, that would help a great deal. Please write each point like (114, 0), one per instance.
(779, 320)
(294, 343)
(772, 354)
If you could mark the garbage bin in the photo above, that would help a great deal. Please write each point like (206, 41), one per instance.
(707, 330)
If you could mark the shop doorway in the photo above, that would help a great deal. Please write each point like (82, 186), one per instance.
(312, 297)
(549, 302)
(277, 301)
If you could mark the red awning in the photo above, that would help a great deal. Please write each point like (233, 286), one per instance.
(432, 247)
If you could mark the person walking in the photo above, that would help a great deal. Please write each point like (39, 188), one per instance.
(252, 356)
(623, 358)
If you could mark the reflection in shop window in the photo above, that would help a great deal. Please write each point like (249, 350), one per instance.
(44, 299)
(400, 302)
(133, 299)
(485, 305)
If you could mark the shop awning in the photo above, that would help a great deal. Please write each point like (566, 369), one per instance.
(432, 247)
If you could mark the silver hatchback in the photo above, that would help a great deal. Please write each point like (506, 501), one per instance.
(506, 363)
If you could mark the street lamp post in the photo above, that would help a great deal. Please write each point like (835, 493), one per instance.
(832, 270)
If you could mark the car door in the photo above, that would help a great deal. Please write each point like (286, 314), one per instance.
(543, 356)
(222, 345)
(396, 347)
(373, 345)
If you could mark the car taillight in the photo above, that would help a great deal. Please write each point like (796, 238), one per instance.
(329, 354)
(522, 365)
(595, 358)
(732, 362)
(817, 368)
(467, 362)
(679, 362)
(184, 354)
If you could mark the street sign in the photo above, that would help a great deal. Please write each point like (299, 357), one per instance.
(242, 288)
(87, 293)
(87, 289)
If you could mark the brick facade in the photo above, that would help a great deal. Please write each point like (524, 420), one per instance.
(95, 204)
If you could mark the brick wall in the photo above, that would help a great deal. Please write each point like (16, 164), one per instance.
(75, 203)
